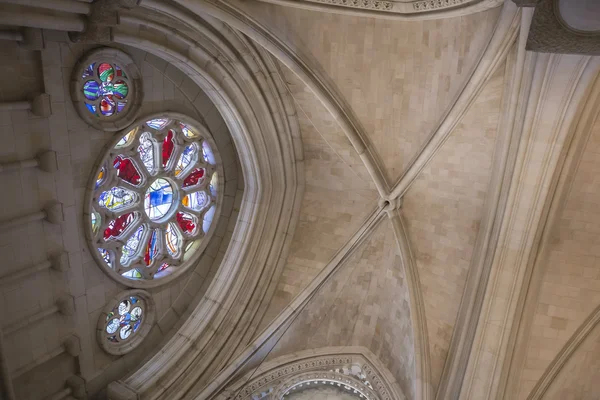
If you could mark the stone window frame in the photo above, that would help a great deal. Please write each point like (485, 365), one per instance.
(105, 158)
(119, 120)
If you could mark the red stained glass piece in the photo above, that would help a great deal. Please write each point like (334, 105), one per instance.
(186, 223)
(167, 149)
(116, 227)
(194, 177)
(126, 170)
(151, 248)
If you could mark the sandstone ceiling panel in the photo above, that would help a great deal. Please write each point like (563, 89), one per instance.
(338, 196)
(580, 376)
(570, 290)
(399, 78)
(364, 304)
(443, 210)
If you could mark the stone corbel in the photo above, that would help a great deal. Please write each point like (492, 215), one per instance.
(104, 16)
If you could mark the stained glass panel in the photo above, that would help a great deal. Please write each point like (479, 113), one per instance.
(116, 198)
(188, 155)
(214, 184)
(105, 256)
(127, 139)
(167, 148)
(187, 222)
(120, 89)
(131, 247)
(88, 71)
(195, 177)
(100, 177)
(91, 90)
(95, 222)
(117, 226)
(91, 107)
(158, 199)
(208, 217)
(209, 157)
(188, 131)
(120, 72)
(152, 247)
(158, 123)
(196, 201)
(133, 274)
(126, 170)
(146, 151)
(107, 106)
(172, 240)
(121, 105)
(106, 72)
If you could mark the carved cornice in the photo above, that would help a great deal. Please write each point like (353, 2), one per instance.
(421, 9)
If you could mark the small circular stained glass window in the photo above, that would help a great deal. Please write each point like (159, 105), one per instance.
(153, 199)
(106, 89)
(126, 320)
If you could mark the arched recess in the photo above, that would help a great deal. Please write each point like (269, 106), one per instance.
(354, 366)
(243, 83)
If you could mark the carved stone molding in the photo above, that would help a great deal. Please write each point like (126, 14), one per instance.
(353, 367)
(421, 9)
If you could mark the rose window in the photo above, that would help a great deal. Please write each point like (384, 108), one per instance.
(125, 322)
(106, 89)
(154, 199)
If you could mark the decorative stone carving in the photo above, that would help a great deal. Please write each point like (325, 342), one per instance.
(392, 8)
(368, 4)
(351, 370)
(435, 4)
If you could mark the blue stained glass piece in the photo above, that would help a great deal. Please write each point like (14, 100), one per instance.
(158, 123)
(91, 90)
(89, 71)
(91, 107)
(158, 199)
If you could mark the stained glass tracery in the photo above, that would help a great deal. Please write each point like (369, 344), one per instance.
(105, 89)
(159, 197)
(124, 320)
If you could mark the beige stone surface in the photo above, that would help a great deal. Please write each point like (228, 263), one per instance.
(571, 284)
(364, 304)
(338, 196)
(398, 77)
(443, 209)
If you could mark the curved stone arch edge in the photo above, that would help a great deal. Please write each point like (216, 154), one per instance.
(581, 129)
(251, 210)
(536, 205)
(356, 354)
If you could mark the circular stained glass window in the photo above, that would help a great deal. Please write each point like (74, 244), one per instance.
(127, 318)
(106, 89)
(154, 199)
